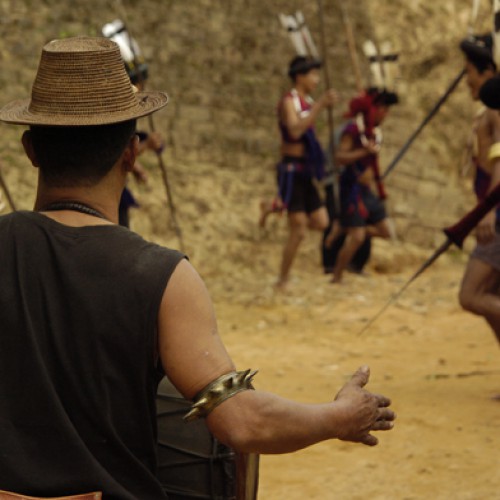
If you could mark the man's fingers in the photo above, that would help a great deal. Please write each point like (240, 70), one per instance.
(386, 414)
(361, 376)
(382, 401)
(369, 440)
(382, 425)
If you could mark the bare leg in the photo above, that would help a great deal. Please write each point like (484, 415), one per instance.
(479, 293)
(379, 230)
(297, 222)
(333, 234)
(354, 239)
(318, 220)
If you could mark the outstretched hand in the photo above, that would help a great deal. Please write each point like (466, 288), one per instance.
(361, 411)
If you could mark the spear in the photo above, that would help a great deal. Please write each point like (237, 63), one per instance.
(163, 169)
(473, 16)
(439, 103)
(168, 189)
(496, 31)
(456, 235)
(161, 163)
(330, 158)
(351, 45)
(424, 122)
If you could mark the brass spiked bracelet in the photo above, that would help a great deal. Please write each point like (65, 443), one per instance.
(222, 388)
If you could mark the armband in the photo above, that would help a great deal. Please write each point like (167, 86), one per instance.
(215, 393)
(494, 151)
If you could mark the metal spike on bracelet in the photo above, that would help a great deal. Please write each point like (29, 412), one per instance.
(218, 391)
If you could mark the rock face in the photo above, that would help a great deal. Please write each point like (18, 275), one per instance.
(224, 66)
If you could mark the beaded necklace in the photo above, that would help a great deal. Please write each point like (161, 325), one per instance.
(74, 206)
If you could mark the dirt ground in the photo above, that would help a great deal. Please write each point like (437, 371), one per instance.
(440, 366)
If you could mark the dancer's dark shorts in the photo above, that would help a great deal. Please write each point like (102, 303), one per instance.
(373, 212)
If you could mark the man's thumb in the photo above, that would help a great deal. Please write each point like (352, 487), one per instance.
(361, 376)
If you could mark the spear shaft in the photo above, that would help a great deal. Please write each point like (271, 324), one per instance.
(455, 235)
(424, 122)
(351, 45)
(396, 296)
(161, 163)
(168, 189)
(440, 102)
(331, 127)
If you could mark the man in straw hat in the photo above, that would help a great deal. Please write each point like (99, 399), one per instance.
(92, 314)
(481, 281)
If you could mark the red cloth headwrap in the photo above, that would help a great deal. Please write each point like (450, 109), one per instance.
(363, 104)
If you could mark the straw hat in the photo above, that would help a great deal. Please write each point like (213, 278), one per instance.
(82, 81)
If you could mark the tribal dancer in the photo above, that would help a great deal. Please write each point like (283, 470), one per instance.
(302, 157)
(138, 72)
(362, 212)
(479, 291)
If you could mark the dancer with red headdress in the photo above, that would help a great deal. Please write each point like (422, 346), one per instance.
(362, 211)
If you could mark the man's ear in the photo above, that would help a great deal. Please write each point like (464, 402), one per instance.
(130, 153)
(28, 148)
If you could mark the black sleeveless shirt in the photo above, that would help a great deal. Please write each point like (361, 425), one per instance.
(78, 377)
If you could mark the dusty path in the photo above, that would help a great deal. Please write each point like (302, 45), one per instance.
(439, 365)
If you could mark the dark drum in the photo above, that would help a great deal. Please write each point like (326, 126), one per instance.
(192, 464)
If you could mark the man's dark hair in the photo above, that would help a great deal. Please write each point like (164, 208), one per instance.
(482, 64)
(79, 156)
(383, 97)
(478, 50)
(301, 65)
(489, 93)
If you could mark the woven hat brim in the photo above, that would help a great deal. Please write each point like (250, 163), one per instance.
(18, 113)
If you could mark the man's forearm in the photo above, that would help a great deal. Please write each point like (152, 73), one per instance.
(347, 157)
(260, 422)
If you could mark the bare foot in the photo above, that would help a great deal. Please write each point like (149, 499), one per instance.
(354, 270)
(281, 285)
(336, 279)
(496, 397)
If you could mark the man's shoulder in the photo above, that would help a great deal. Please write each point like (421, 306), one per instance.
(18, 216)
(489, 116)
